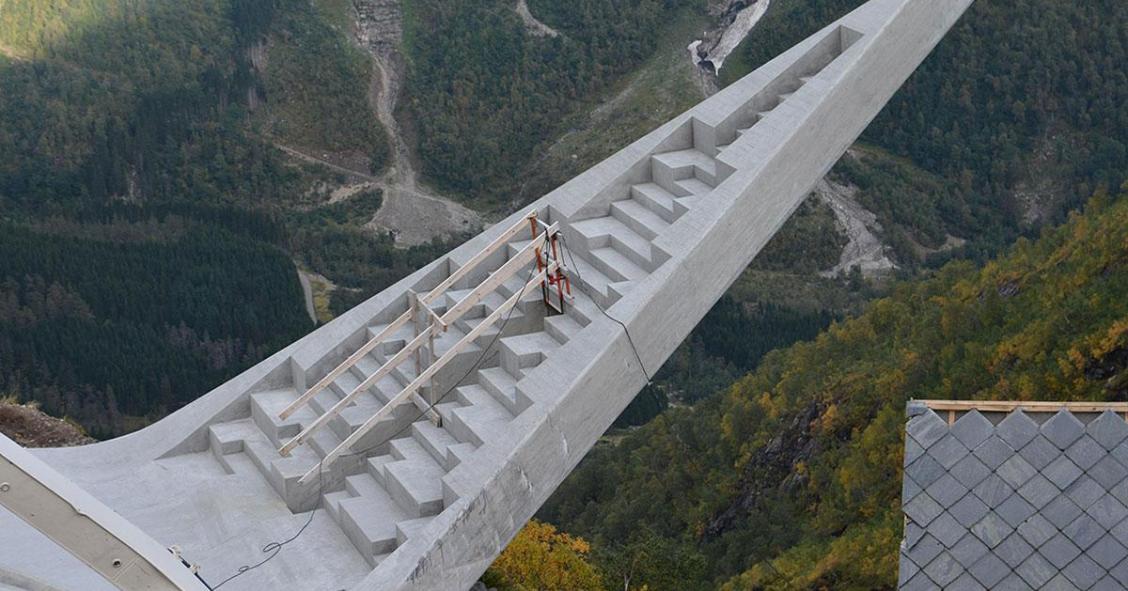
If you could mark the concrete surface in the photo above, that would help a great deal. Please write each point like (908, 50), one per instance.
(657, 233)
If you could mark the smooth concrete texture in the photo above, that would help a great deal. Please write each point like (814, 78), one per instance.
(655, 234)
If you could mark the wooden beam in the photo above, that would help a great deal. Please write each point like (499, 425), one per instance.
(403, 319)
(1027, 406)
(415, 346)
(411, 388)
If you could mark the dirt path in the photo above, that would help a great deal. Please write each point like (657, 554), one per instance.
(300, 155)
(532, 23)
(307, 292)
(864, 250)
(412, 212)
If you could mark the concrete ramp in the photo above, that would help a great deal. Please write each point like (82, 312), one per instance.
(652, 237)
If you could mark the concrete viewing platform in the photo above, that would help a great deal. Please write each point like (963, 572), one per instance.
(423, 471)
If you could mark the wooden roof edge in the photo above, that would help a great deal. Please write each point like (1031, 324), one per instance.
(1027, 406)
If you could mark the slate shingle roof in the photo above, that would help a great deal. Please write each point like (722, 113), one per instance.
(1015, 501)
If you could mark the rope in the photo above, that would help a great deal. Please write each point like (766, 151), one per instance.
(576, 268)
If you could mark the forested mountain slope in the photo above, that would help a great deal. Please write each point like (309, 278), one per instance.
(790, 479)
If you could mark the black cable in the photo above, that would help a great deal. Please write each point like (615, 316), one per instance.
(576, 268)
(274, 548)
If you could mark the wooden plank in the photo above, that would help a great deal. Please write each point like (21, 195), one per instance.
(352, 360)
(411, 388)
(400, 322)
(343, 403)
(424, 336)
(1029, 406)
(497, 278)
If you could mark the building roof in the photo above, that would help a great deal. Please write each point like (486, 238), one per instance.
(1015, 496)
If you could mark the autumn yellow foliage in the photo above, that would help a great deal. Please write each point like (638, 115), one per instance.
(542, 559)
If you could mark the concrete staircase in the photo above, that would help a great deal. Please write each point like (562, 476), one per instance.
(388, 495)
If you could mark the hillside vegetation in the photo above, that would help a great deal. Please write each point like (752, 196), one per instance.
(790, 479)
(1019, 114)
(484, 94)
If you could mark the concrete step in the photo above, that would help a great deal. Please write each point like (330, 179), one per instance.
(369, 516)
(562, 327)
(393, 343)
(638, 218)
(613, 264)
(475, 424)
(436, 440)
(406, 529)
(523, 352)
(609, 232)
(658, 200)
(503, 387)
(592, 281)
(682, 164)
(265, 407)
(695, 187)
(414, 480)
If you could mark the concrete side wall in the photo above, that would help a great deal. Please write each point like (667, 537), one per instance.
(774, 173)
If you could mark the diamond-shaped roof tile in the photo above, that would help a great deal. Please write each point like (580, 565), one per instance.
(1038, 491)
(1013, 582)
(1085, 452)
(1039, 452)
(1109, 429)
(907, 570)
(925, 550)
(922, 509)
(993, 451)
(1107, 584)
(992, 530)
(1120, 531)
(970, 471)
(968, 550)
(972, 429)
(948, 451)
(943, 569)
(925, 470)
(993, 490)
(910, 489)
(1014, 550)
(1036, 571)
(1108, 472)
(1120, 572)
(1063, 429)
(989, 570)
(965, 582)
(1107, 511)
(1083, 572)
(1017, 429)
(1120, 452)
(946, 529)
(969, 510)
(1084, 531)
(926, 428)
(920, 582)
(1062, 472)
(1085, 491)
(1015, 510)
(1061, 583)
(946, 491)
(1016, 471)
(1120, 491)
(1060, 551)
(913, 450)
(1037, 530)
(1061, 512)
(1107, 552)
